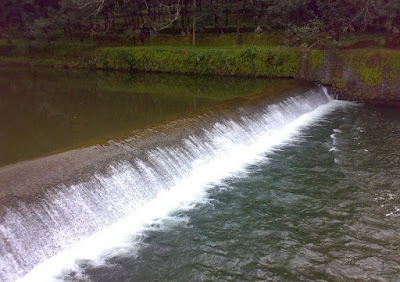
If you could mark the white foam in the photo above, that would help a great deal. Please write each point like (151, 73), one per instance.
(123, 205)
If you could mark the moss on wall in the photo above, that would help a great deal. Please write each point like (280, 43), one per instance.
(367, 64)
(371, 65)
(317, 58)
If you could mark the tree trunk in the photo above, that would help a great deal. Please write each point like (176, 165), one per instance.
(105, 17)
(183, 18)
(226, 13)
(187, 18)
(141, 17)
(217, 20)
(126, 23)
(194, 23)
(388, 36)
(244, 13)
(7, 35)
(255, 13)
(113, 21)
(237, 23)
(80, 32)
(172, 11)
(215, 24)
(21, 21)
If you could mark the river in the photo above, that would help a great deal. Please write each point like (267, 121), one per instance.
(207, 179)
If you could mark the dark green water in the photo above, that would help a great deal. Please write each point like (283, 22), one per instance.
(47, 111)
(325, 207)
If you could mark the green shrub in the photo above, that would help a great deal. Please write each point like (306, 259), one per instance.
(247, 61)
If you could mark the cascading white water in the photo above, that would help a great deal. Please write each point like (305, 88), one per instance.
(92, 219)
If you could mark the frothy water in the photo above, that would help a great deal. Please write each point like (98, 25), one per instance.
(95, 219)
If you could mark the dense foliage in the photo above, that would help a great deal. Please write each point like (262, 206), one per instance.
(136, 19)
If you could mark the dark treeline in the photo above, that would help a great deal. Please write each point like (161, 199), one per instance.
(97, 19)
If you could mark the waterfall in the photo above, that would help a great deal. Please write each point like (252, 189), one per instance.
(98, 215)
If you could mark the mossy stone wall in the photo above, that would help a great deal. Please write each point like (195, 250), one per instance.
(365, 75)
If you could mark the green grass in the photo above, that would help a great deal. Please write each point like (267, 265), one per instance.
(267, 62)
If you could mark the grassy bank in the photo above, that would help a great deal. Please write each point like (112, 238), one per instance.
(217, 56)
(371, 65)
(265, 54)
(362, 74)
(251, 61)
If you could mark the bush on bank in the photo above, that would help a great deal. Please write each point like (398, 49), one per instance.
(252, 61)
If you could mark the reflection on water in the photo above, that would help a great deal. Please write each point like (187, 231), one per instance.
(45, 111)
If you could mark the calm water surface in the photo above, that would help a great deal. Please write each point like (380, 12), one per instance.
(323, 208)
(46, 111)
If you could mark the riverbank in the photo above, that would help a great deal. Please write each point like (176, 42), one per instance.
(368, 75)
